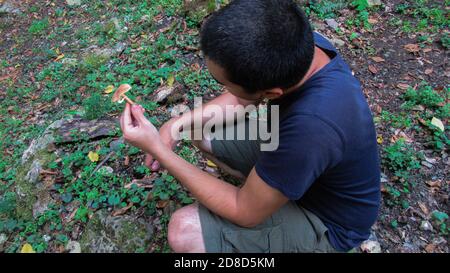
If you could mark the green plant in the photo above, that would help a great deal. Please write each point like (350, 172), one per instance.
(424, 95)
(445, 40)
(438, 139)
(38, 26)
(198, 81)
(325, 8)
(401, 158)
(441, 219)
(97, 106)
(397, 121)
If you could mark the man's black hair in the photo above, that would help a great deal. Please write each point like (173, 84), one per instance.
(261, 44)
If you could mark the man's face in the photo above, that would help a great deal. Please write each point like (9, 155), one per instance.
(218, 73)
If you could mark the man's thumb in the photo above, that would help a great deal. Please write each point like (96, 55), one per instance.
(138, 113)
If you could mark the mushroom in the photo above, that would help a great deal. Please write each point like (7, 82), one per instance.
(119, 96)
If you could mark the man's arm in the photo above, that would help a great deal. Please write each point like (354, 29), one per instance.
(246, 206)
(176, 124)
(222, 101)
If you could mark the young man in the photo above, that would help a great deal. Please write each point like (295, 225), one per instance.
(319, 191)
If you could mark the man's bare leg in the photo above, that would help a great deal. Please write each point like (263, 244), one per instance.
(185, 231)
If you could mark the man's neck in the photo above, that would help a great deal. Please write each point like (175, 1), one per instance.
(320, 59)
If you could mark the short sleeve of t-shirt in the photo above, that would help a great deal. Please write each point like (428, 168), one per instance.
(308, 147)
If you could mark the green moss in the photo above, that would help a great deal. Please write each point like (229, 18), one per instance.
(94, 60)
(28, 192)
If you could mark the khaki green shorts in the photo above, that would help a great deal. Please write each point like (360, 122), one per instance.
(290, 229)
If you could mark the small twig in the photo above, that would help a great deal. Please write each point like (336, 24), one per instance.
(48, 172)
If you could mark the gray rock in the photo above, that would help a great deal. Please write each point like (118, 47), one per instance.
(109, 234)
(73, 247)
(371, 246)
(85, 129)
(409, 248)
(165, 92)
(33, 174)
(332, 23)
(106, 170)
(427, 164)
(43, 201)
(105, 52)
(426, 226)
(33, 197)
(46, 238)
(319, 26)
(9, 7)
(42, 142)
(337, 42)
(384, 178)
(3, 238)
(71, 62)
(115, 144)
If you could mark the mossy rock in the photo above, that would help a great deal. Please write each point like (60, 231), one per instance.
(28, 188)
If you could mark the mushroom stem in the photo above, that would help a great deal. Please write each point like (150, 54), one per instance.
(128, 100)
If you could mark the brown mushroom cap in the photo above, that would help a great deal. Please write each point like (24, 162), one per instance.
(118, 95)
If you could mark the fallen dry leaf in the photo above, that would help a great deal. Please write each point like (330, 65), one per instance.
(423, 208)
(126, 162)
(373, 69)
(27, 248)
(162, 204)
(434, 184)
(108, 89)
(378, 109)
(59, 57)
(438, 123)
(93, 156)
(413, 48)
(418, 108)
(422, 121)
(211, 164)
(380, 139)
(170, 80)
(428, 71)
(430, 248)
(403, 86)
(122, 210)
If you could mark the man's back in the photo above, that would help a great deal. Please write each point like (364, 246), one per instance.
(328, 156)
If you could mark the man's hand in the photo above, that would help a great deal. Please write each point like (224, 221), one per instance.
(167, 139)
(138, 131)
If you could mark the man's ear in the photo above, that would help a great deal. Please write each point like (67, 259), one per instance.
(273, 93)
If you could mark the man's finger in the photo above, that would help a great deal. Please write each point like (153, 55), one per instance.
(148, 160)
(121, 121)
(138, 113)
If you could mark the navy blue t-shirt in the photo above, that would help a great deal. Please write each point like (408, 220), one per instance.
(327, 158)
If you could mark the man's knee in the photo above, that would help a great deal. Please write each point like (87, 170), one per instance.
(184, 231)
